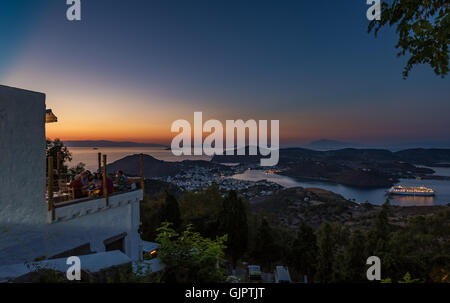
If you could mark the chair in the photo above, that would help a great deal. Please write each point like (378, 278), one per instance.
(71, 192)
(66, 192)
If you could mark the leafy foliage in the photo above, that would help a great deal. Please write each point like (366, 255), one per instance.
(202, 209)
(52, 149)
(424, 31)
(355, 257)
(331, 237)
(406, 279)
(188, 257)
(76, 170)
(205, 211)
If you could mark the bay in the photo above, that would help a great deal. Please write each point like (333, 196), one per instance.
(372, 195)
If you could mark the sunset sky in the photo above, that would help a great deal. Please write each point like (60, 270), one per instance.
(130, 68)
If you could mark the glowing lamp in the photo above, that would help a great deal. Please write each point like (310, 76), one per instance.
(50, 116)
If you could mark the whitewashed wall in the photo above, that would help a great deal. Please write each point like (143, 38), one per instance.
(25, 230)
(22, 157)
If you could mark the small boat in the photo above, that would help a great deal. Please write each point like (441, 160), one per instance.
(95, 148)
(411, 191)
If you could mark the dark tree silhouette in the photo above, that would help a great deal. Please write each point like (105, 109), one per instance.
(233, 222)
(424, 31)
(355, 258)
(266, 250)
(304, 251)
(52, 149)
(325, 257)
(170, 211)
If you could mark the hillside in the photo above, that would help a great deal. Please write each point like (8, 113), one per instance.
(351, 166)
(424, 156)
(326, 144)
(292, 155)
(154, 167)
(290, 207)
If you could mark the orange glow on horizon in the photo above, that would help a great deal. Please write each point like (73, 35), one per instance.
(107, 132)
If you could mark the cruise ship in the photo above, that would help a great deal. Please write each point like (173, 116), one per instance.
(411, 191)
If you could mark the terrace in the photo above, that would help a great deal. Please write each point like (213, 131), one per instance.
(64, 204)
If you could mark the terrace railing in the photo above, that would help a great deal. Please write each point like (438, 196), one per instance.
(65, 196)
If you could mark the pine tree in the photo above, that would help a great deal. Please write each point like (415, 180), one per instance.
(233, 222)
(355, 258)
(304, 251)
(266, 250)
(382, 227)
(340, 235)
(325, 257)
(379, 241)
(170, 211)
(380, 232)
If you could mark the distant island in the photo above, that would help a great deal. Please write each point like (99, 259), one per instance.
(105, 143)
(326, 144)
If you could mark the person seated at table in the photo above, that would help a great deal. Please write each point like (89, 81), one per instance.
(85, 179)
(109, 185)
(91, 177)
(77, 186)
(121, 181)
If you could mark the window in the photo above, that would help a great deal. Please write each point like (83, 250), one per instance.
(116, 243)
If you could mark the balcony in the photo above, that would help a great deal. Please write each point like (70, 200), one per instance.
(63, 206)
(73, 209)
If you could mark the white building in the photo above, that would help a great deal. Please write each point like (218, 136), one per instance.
(27, 231)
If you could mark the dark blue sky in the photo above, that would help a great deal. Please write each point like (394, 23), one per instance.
(310, 64)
